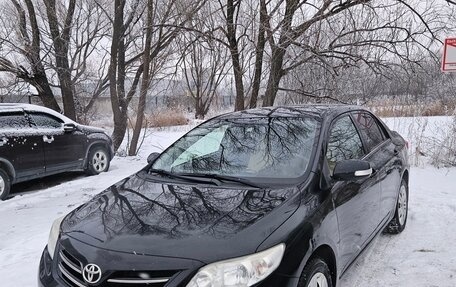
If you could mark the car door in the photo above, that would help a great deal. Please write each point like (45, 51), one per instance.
(356, 202)
(63, 151)
(21, 146)
(383, 157)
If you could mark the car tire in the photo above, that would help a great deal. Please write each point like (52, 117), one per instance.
(98, 160)
(397, 224)
(316, 274)
(5, 184)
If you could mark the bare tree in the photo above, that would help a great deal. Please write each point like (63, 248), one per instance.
(166, 20)
(117, 68)
(61, 40)
(205, 66)
(26, 47)
(145, 78)
(204, 61)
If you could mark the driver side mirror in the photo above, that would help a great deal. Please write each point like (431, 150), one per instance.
(152, 157)
(352, 169)
(69, 128)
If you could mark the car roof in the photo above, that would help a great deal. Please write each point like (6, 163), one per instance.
(13, 107)
(314, 110)
(10, 106)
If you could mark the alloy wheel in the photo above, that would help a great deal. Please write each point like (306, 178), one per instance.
(318, 280)
(2, 185)
(402, 205)
(100, 161)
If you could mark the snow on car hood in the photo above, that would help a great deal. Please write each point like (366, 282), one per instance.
(91, 129)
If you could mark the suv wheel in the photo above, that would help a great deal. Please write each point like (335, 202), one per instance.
(316, 274)
(399, 220)
(5, 184)
(98, 161)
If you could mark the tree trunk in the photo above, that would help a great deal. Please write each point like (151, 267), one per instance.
(234, 51)
(199, 109)
(119, 114)
(278, 54)
(275, 75)
(41, 84)
(259, 50)
(144, 83)
(60, 41)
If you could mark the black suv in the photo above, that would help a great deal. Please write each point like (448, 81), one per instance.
(37, 142)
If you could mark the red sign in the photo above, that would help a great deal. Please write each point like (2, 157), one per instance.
(449, 55)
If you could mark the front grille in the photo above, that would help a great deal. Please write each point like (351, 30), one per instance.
(70, 269)
(144, 278)
(71, 272)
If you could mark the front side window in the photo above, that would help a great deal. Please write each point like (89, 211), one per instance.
(275, 147)
(45, 121)
(344, 142)
(369, 129)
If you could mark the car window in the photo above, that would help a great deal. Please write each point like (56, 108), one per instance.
(369, 130)
(13, 121)
(46, 121)
(273, 147)
(208, 144)
(344, 142)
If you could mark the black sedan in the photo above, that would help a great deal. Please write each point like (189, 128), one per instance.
(283, 196)
(36, 142)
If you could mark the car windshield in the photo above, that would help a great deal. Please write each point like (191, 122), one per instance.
(273, 147)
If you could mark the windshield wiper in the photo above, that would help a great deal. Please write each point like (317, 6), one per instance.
(187, 177)
(200, 177)
(221, 177)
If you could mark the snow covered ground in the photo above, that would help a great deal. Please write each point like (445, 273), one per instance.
(423, 255)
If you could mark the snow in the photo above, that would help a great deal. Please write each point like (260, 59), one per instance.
(35, 108)
(435, 137)
(423, 255)
(27, 132)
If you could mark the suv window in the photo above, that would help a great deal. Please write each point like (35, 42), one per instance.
(46, 121)
(13, 121)
(344, 142)
(369, 129)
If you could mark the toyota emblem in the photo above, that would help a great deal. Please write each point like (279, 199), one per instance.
(91, 273)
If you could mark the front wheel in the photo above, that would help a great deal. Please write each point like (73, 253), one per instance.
(399, 220)
(316, 274)
(5, 184)
(98, 161)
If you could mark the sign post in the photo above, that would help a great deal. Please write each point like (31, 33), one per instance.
(449, 55)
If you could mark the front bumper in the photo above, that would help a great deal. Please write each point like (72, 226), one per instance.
(48, 277)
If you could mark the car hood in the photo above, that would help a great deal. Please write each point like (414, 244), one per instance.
(90, 129)
(142, 216)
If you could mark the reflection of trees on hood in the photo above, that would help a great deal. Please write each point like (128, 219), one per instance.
(177, 211)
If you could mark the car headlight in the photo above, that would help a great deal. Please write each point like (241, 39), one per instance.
(239, 272)
(54, 235)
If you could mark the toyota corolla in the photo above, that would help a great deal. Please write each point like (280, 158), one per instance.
(282, 196)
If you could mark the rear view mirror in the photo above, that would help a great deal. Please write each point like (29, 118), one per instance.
(69, 128)
(352, 169)
(152, 157)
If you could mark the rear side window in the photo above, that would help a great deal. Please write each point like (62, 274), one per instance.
(344, 142)
(13, 121)
(45, 121)
(369, 129)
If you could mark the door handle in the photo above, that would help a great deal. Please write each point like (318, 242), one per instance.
(3, 141)
(47, 139)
